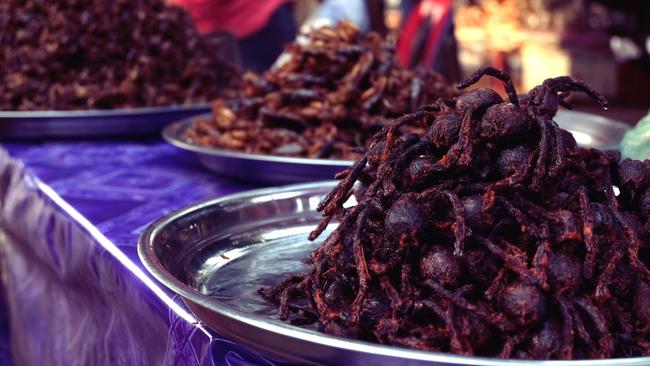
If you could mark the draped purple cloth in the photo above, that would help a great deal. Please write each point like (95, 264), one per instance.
(75, 292)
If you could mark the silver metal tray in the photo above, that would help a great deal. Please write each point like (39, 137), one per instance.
(588, 129)
(591, 130)
(256, 168)
(93, 123)
(216, 254)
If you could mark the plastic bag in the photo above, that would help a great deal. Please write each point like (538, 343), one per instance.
(636, 142)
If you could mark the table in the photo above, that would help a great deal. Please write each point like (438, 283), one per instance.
(75, 291)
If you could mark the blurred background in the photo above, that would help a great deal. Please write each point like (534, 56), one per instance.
(604, 42)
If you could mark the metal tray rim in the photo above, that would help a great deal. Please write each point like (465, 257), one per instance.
(171, 134)
(155, 268)
(101, 112)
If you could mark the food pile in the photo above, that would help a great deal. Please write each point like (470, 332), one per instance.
(491, 234)
(97, 54)
(337, 89)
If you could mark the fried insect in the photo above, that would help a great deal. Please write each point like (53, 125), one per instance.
(497, 236)
(97, 54)
(336, 90)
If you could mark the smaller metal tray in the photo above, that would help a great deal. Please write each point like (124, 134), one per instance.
(589, 130)
(265, 169)
(216, 254)
(93, 123)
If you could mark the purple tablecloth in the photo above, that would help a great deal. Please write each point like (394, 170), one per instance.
(75, 291)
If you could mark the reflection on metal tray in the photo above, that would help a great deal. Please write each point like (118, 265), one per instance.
(217, 254)
(591, 130)
(254, 167)
(588, 129)
(93, 123)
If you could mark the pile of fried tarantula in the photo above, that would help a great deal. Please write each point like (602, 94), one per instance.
(335, 91)
(491, 234)
(98, 54)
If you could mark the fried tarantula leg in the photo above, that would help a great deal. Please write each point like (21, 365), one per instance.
(389, 133)
(581, 331)
(564, 84)
(540, 260)
(391, 292)
(283, 310)
(605, 340)
(414, 342)
(322, 225)
(272, 292)
(643, 345)
(623, 318)
(633, 246)
(561, 99)
(285, 289)
(558, 151)
(352, 79)
(588, 234)
(361, 265)
(461, 231)
(406, 119)
(497, 319)
(602, 291)
(335, 199)
(455, 342)
(319, 258)
(515, 262)
(412, 152)
(491, 71)
(536, 212)
(496, 285)
(540, 165)
(436, 106)
(464, 146)
(405, 275)
(567, 327)
(511, 342)
(488, 201)
(525, 224)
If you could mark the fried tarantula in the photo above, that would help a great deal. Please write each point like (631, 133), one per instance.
(335, 91)
(491, 234)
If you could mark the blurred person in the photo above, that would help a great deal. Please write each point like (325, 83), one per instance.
(406, 7)
(427, 37)
(331, 12)
(260, 27)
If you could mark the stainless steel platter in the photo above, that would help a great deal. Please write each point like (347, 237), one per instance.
(588, 129)
(256, 168)
(216, 254)
(93, 123)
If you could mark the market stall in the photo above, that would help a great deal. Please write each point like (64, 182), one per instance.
(145, 217)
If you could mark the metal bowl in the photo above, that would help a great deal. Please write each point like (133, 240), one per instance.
(216, 254)
(93, 123)
(266, 169)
